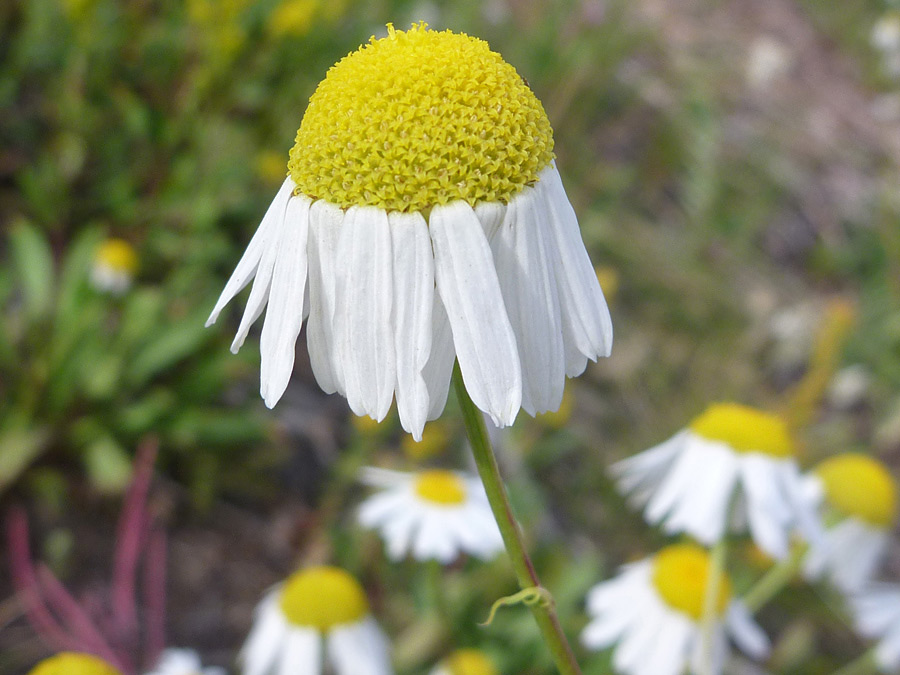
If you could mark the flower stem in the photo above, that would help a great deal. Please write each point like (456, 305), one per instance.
(544, 613)
(775, 579)
(864, 665)
(710, 605)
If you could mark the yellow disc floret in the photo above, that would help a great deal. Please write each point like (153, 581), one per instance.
(440, 487)
(118, 255)
(70, 663)
(680, 575)
(744, 429)
(469, 662)
(417, 119)
(322, 598)
(858, 485)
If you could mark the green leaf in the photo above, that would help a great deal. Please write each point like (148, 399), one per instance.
(107, 464)
(18, 449)
(174, 343)
(33, 262)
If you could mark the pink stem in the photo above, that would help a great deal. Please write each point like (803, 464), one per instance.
(129, 537)
(155, 596)
(27, 588)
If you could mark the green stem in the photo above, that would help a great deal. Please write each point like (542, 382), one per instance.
(545, 615)
(711, 604)
(781, 574)
(864, 665)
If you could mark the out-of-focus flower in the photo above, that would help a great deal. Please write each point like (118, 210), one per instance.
(885, 35)
(767, 61)
(877, 615)
(434, 442)
(732, 466)
(433, 515)
(849, 387)
(466, 662)
(858, 499)
(291, 17)
(115, 264)
(423, 165)
(653, 610)
(71, 663)
(183, 662)
(319, 615)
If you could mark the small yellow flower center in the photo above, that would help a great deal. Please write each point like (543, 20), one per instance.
(322, 598)
(440, 487)
(69, 663)
(680, 575)
(118, 255)
(435, 439)
(744, 429)
(859, 486)
(469, 662)
(420, 118)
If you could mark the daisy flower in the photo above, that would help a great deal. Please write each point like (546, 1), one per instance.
(114, 266)
(433, 515)
(423, 220)
(319, 617)
(877, 615)
(652, 613)
(72, 663)
(732, 466)
(183, 662)
(466, 662)
(857, 497)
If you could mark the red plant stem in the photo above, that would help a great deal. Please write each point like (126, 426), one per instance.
(129, 538)
(155, 597)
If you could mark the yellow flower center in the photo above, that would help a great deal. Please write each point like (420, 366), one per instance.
(469, 662)
(744, 429)
(420, 118)
(858, 485)
(680, 575)
(440, 487)
(69, 663)
(435, 439)
(322, 598)
(118, 255)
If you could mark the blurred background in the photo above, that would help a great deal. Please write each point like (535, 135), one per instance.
(735, 170)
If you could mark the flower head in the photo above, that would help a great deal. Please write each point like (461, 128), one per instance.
(319, 614)
(423, 220)
(433, 514)
(71, 663)
(653, 609)
(466, 662)
(115, 264)
(857, 498)
(731, 456)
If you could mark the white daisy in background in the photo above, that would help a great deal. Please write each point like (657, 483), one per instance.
(857, 498)
(183, 662)
(423, 220)
(652, 613)
(732, 467)
(466, 662)
(114, 266)
(877, 615)
(432, 515)
(318, 620)
(72, 663)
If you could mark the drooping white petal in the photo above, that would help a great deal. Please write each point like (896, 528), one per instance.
(413, 302)
(636, 646)
(669, 653)
(468, 285)
(439, 368)
(363, 331)
(285, 314)
(746, 633)
(585, 315)
(249, 262)
(259, 293)
(768, 513)
(264, 643)
(524, 267)
(490, 215)
(302, 653)
(324, 229)
(359, 649)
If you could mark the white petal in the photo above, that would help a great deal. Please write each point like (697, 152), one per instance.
(468, 285)
(670, 651)
(413, 302)
(642, 473)
(302, 654)
(438, 370)
(584, 312)
(490, 215)
(524, 262)
(359, 649)
(434, 541)
(324, 229)
(249, 262)
(381, 507)
(635, 649)
(363, 328)
(285, 314)
(266, 639)
(375, 476)
(746, 633)
(768, 513)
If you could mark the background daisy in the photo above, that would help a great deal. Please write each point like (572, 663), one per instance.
(71, 663)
